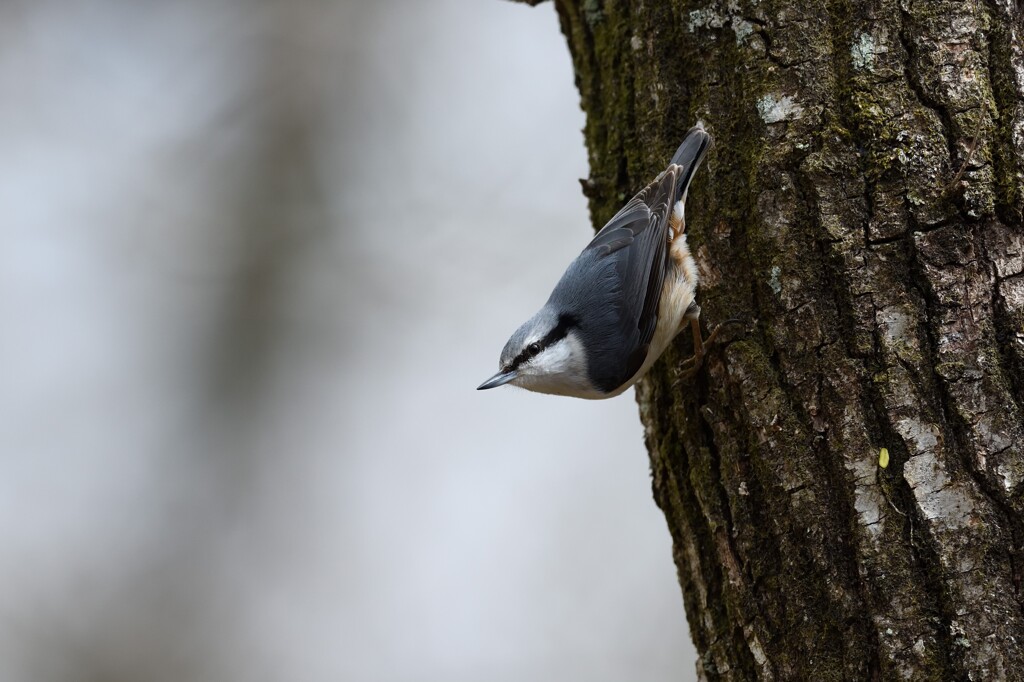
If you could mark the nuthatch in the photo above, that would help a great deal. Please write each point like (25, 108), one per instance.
(621, 302)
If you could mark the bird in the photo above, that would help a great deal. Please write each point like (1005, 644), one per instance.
(622, 301)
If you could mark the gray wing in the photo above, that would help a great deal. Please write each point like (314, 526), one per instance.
(614, 286)
(637, 239)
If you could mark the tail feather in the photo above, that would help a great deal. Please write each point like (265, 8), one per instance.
(689, 155)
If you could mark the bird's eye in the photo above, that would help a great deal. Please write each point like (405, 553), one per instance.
(533, 348)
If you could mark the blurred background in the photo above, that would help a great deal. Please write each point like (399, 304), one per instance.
(256, 258)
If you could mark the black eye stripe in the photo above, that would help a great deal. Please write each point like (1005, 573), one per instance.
(565, 323)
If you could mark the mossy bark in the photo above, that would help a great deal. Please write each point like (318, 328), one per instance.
(862, 213)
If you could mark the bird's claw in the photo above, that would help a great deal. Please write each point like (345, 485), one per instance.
(688, 368)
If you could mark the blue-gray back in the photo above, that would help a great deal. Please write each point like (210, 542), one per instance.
(613, 288)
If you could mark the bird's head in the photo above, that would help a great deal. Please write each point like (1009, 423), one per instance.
(545, 355)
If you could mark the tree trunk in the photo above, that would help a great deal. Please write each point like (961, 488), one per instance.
(862, 213)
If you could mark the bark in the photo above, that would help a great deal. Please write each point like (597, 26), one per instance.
(862, 213)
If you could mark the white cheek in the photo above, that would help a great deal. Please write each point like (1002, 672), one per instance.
(554, 359)
(561, 369)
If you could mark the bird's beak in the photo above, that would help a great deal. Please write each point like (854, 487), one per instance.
(499, 379)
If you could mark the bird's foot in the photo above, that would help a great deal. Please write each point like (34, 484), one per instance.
(689, 368)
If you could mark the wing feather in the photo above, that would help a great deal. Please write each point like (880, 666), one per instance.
(614, 287)
(636, 239)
